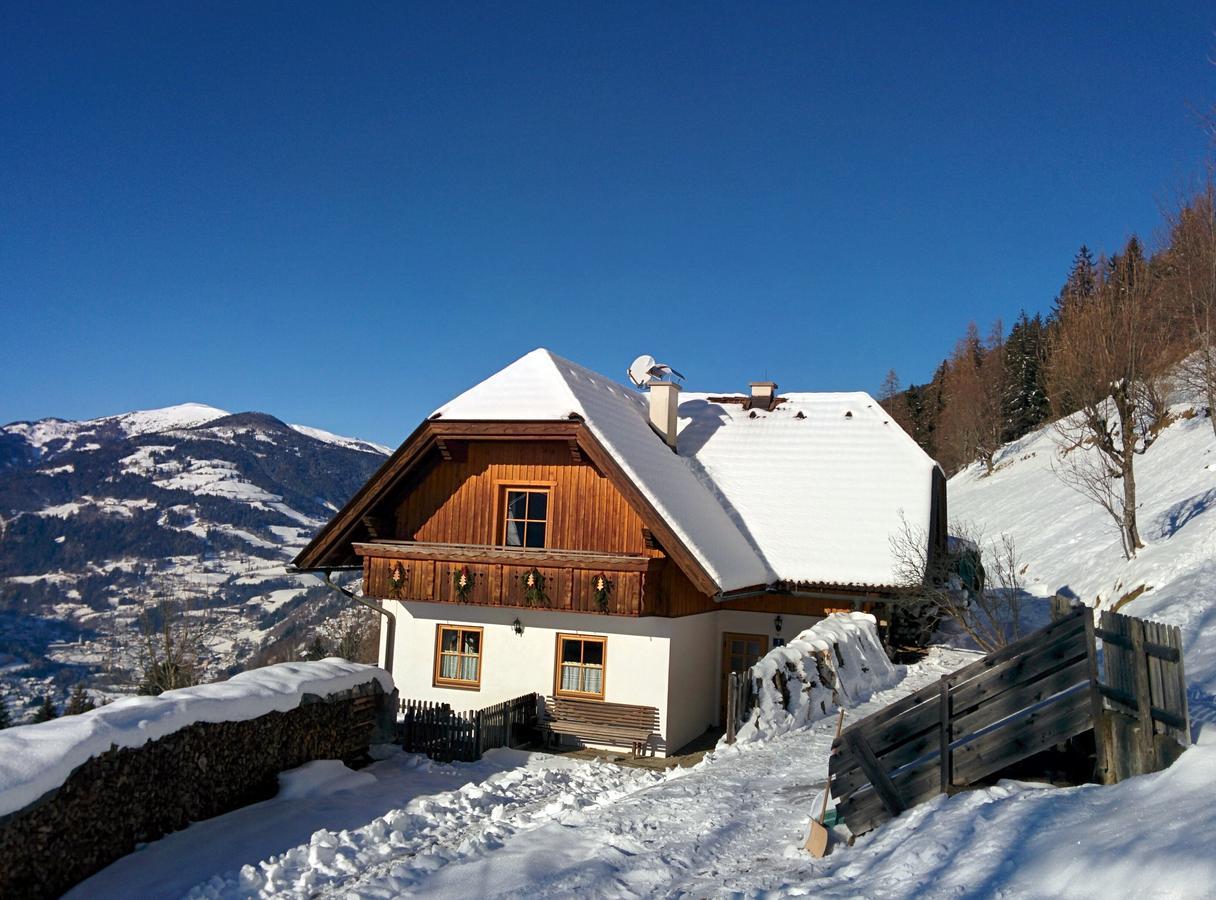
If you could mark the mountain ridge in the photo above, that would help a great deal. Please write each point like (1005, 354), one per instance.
(102, 518)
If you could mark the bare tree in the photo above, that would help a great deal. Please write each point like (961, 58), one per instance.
(892, 399)
(171, 650)
(978, 584)
(1192, 281)
(972, 425)
(1104, 350)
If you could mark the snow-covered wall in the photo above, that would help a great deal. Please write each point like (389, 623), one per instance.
(836, 662)
(35, 759)
(83, 791)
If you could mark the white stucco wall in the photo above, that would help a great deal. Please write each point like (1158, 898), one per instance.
(671, 664)
(636, 661)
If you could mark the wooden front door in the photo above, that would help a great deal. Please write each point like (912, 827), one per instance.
(739, 652)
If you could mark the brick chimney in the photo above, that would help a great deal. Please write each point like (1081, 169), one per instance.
(763, 395)
(664, 403)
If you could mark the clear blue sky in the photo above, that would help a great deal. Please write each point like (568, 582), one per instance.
(345, 214)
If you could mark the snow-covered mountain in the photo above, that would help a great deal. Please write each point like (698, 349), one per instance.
(101, 518)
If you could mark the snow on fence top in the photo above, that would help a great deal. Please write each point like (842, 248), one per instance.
(35, 759)
(838, 661)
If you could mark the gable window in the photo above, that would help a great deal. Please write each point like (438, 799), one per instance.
(580, 665)
(526, 516)
(458, 656)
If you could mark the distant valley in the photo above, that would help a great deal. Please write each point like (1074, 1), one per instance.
(102, 520)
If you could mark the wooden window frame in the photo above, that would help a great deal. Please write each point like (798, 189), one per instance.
(558, 691)
(459, 684)
(536, 487)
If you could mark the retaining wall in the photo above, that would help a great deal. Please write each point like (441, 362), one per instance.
(128, 796)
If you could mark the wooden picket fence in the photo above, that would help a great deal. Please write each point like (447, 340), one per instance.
(1034, 694)
(447, 735)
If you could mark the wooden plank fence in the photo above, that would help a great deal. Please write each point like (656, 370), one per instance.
(740, 701)
(446, 735)
(1037, 692)
(1148, 722)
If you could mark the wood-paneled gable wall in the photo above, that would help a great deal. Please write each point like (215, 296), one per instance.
(460, 500)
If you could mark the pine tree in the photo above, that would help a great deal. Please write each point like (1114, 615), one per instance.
(79, 701)
(1026, 403)
(47, 710)
(316, 650)
(6, 718)
(1080, 285)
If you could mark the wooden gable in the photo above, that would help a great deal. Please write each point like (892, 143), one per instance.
(460, 500)
(440, 486)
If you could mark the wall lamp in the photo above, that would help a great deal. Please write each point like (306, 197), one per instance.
(777, 624)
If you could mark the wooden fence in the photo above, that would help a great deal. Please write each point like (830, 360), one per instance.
(1148, 722)
(1035, 693)
(740, 700)
(446, 735)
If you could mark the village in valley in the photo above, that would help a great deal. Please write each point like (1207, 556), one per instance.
(647, 573)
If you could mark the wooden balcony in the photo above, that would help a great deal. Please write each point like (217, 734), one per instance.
(497, 576)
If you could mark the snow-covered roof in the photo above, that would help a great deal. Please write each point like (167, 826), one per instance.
(811, 491)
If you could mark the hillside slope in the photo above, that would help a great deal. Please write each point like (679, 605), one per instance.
(1066, 540)
(101, 519)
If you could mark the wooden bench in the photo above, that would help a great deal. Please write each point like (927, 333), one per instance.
(603, 723)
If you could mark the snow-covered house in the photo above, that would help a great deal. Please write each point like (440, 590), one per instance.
(552, 530)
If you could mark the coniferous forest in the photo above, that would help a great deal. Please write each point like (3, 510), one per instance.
(1126, 332)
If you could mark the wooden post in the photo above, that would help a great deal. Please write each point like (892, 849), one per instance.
(945, 736)
(1146, 746)
(732, 702)
(1102, 726)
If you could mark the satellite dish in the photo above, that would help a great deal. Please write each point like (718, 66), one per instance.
(645, 370)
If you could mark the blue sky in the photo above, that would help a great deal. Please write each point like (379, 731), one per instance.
(345, 214)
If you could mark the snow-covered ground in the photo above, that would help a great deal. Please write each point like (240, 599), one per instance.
(543, 823)
(1067, 541)
(518, 825)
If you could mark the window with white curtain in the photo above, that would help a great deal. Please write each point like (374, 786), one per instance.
(580, 662)
(458, 656)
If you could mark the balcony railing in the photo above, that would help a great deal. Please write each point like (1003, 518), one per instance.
(477, 575)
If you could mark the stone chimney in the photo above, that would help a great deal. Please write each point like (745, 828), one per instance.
(664, 403)
(763, 395)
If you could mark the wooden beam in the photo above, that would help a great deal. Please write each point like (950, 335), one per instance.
(504, 430)
(1160, 651)
(328, 542)
(1146, 749)
(1161, 715)
(515, 556)
(874, 771)
(944, 736)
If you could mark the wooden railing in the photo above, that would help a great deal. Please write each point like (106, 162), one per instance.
(569, 580)
(1035, 693)
(446, 735)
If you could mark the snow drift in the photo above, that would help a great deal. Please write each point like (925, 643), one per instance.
(836, 662)
(35, 759)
